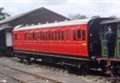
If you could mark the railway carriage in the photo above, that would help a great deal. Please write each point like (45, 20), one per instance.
(80, 43)
(5, 40)
(58, 38)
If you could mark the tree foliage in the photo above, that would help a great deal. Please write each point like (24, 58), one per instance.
(3, 15)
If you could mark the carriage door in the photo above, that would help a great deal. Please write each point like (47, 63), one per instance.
(8, 39)
(104, 29)
(117, 50)
(103, 42)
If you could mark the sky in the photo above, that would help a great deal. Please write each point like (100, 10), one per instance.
(89, 8)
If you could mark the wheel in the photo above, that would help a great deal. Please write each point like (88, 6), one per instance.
(84, 69)
(116, 70)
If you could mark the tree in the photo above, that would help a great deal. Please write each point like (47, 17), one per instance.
(3, 15)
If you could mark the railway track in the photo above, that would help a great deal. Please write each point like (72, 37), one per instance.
(49, 74)
(23, 76)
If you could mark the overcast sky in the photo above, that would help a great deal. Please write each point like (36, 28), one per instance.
(65, 7)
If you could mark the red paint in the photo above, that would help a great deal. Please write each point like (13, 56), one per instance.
(67, 46)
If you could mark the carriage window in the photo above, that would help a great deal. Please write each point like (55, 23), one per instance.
(62, 35)
(43, 35)
(79, 34)
(39, 36)
(29, 36)
(83, 34)
(74, 35)
(118, 31)
(51, 35)
(33, 36)
(67, 35)
(25, 36)
(55, 35)
(36, 35)
(59, 36)
(16, 38)
(46, 35)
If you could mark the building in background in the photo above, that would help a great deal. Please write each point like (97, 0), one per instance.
(40, 15)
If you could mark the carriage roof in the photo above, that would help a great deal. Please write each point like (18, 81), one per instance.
(55, 24)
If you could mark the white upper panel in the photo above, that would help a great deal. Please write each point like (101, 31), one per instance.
(50, 25)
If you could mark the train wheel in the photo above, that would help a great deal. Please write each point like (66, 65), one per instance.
(80, 69)
(21, 59)
(116, 70)
(84, 69)
(28, 61)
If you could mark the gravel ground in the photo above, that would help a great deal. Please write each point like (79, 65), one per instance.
(53, 73)
(6, 79)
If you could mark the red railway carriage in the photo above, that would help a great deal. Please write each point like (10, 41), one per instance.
(80, 43)
(68, 38)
